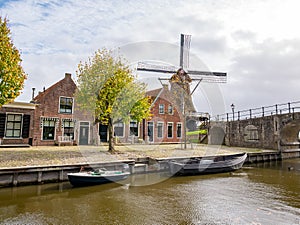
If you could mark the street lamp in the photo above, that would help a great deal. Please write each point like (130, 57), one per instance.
(232, 108)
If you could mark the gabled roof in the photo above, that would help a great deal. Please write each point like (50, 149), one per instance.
(153, 93)
(54, 87)
(162, 93)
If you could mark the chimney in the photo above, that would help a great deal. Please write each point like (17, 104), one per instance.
(33, 89)
(68, 75)
(32, 98)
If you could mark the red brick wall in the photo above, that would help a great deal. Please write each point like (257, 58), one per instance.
(175, 118)
(48, 106)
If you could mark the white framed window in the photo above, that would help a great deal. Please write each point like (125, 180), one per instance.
(134, 128)
(66, 105)
(179, 130)
(48, 129)
(160, 129)
(161, 109)
(151, 131)
(68, 127)
(170, 110)
(170, 129)
(119, 129)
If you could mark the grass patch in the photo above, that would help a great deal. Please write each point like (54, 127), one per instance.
(196, 132)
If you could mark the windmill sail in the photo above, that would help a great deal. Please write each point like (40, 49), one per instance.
(185, 43)
(205, 76)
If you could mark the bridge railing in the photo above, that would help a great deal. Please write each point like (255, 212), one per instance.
(290, 107)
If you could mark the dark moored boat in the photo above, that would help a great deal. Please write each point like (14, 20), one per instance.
(208, 164)
(96, 177)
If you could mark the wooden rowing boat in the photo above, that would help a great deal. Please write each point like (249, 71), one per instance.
(207, 164)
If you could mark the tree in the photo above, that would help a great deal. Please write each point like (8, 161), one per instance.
(12, 76)
(107, 88)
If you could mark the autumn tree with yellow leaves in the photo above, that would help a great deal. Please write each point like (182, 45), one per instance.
(12, 76)
(107, 88)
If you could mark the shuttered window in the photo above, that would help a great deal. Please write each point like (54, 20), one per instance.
(13, 125)
(2, 124)
(26, 126)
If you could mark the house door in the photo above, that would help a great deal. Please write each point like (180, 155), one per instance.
(103, 132)
(84, 133)
(150, 131)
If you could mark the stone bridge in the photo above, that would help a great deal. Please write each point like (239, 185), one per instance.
(276, 129)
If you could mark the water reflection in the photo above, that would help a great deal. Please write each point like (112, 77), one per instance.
(282, 177)
(262, 194)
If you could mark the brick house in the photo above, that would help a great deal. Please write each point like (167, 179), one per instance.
(57, 119)
(166, 124)
(53, 118)
(16, 122)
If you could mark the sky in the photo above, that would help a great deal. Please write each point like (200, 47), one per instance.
(257, 43)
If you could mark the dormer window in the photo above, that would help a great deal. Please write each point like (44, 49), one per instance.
(66, 105)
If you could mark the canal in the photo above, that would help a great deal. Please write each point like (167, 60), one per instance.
(266, 193)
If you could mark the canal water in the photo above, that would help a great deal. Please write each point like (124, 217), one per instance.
(266, 193)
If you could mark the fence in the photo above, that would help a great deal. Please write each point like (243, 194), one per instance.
(290, 107)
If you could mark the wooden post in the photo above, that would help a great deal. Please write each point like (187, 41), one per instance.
(15, 179)
(39, 178)
(61, 175)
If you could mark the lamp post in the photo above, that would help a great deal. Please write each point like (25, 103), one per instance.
(183, 111)
(232, 108)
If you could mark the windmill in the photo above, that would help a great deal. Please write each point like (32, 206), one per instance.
(195, 75)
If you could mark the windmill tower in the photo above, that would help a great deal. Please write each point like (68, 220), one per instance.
(181, 87)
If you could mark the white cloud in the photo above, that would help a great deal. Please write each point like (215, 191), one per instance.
(256, 42)
(266, 74)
